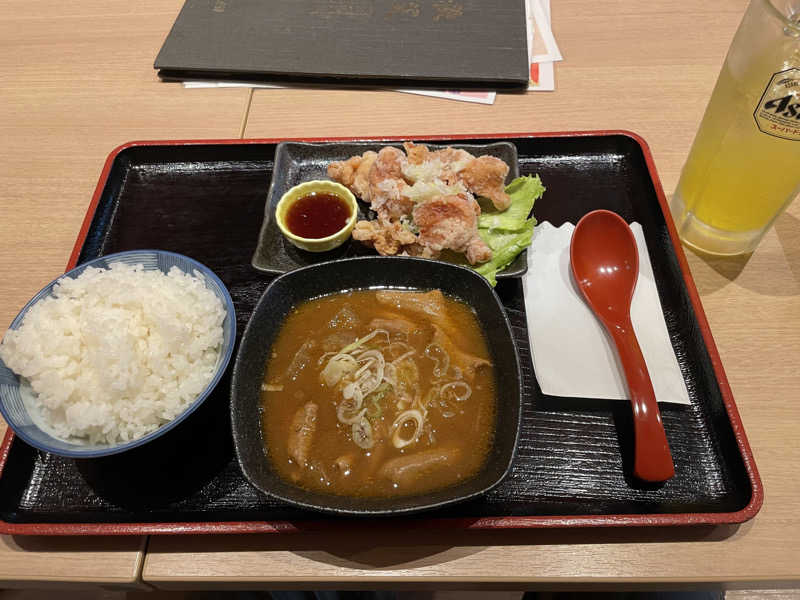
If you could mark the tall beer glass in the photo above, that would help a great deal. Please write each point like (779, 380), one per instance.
(744, 166)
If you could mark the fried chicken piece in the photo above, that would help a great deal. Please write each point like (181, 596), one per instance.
(420, 251)
(477, 251)
(388, 190)
(388, 238)
(353, 173)
(486, 176)
(452, 157)
(388, 165)
(440, 165)
(417, 153)
(453, 162)
(451, 222)
(376, 178)
(441, 200)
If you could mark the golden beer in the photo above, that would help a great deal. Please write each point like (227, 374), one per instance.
(744, 166)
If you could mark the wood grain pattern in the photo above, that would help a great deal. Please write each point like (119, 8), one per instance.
(78, 563)
(77, 80)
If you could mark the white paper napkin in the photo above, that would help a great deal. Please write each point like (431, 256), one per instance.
(573, 356)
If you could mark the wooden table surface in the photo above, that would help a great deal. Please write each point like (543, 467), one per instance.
(77, 81)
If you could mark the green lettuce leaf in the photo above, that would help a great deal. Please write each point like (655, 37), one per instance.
(509, 232)
(524, 191)
(509, 245)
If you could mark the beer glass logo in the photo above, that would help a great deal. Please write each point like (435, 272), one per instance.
(778, 112)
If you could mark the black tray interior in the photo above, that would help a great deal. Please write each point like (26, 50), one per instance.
(207, 201)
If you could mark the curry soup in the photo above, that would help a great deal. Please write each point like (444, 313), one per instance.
(379, 393)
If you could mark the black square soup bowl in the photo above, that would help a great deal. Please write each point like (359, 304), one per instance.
(374, 272)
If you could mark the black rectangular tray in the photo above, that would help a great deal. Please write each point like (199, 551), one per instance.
(573, 466)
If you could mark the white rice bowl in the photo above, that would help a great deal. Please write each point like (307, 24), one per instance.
(115, 353)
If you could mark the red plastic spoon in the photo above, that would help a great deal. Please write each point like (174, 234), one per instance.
(605, 264)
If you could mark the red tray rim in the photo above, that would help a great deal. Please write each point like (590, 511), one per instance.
(511, 522)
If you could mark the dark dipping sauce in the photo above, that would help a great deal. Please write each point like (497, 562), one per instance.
(317, 215)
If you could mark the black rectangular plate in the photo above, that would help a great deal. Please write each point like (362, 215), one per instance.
(574, 457)
(296, 162)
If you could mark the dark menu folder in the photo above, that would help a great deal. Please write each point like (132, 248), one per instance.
(450, 43)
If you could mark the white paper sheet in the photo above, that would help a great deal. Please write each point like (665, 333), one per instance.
(547, 79)
(200, 84)
(573, 356)
(538, 19)
(477, 97)
(543, 47)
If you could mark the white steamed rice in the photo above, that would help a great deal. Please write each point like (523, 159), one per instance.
(118, 352)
